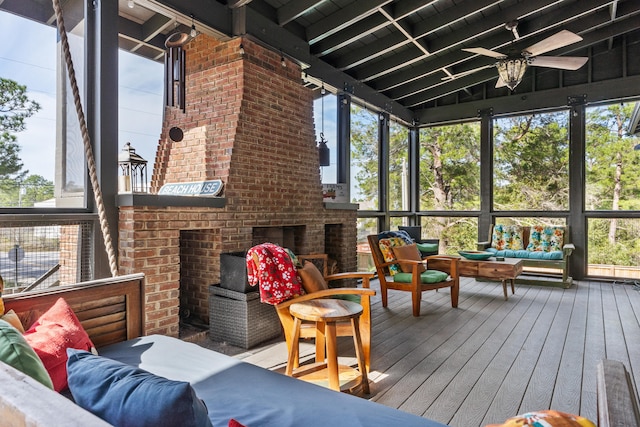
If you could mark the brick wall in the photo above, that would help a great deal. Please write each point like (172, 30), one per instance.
(248, 122)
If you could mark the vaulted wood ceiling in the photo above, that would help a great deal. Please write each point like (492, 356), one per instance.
(394, 54)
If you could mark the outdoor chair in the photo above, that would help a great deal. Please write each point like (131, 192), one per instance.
(316, 285)
(404, 270)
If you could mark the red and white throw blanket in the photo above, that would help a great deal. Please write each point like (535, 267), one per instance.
(270, 266)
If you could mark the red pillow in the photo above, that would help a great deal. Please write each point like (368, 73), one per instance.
(51, 335)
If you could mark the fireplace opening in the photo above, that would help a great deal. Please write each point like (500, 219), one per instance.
(198, 263)
(291, 237)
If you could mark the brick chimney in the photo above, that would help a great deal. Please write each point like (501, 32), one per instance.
(248, 122)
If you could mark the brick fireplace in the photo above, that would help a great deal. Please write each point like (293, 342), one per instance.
(249, 122)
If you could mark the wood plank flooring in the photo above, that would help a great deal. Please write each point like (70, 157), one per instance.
(490, 359)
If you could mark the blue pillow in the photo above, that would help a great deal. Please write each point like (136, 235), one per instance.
(124, 395)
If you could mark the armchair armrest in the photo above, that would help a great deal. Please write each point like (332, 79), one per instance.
(481, 246)
(365, 276)
(568, 249)
(326, 293)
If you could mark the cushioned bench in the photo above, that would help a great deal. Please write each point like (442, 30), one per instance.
(546, 247)
(110, 310)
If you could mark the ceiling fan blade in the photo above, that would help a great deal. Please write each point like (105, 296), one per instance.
(561, 62)
(485, 52)
(464, 73)
(556, 41)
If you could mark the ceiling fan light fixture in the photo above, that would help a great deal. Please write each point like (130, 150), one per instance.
(511, 71)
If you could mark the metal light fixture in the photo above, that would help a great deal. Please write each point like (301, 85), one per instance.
(241, 49)
(323, 149)
(193, 32)
(511, 71)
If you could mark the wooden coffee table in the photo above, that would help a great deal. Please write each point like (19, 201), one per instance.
(504, 271)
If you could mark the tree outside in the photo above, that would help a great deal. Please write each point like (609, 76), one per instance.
(612, 169)
(17, 188)
(531, 173)
(531, 162)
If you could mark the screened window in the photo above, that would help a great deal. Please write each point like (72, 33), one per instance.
(398, 167)
(531, 162)
(325, 117)
(450, 167)
(611, 163)
(364, 158)
(455, 233)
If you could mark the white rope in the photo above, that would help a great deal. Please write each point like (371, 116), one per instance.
(88, 150)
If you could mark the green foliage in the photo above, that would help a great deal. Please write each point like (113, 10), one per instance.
(531, 173)
(450, 167)
(531, 162)
(25, 193)
(612, 165)
(398, 167)
(15, 108)
(364, 158)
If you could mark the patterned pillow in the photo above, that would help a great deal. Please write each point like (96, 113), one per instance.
(546, 239)
(507, 237)
(546, 418)
(386, 247)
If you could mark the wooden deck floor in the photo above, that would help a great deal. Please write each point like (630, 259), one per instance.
(491, 359)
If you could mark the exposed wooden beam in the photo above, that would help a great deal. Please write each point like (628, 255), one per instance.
(601, 34)
(615, 89)
(369, 71)
(295, 9)
(349, 35)
(342, 18)
(413, 80)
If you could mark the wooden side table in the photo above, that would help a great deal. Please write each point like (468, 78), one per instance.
(325, 313)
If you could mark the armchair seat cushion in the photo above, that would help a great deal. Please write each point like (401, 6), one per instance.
(429, 276)
(525, 254)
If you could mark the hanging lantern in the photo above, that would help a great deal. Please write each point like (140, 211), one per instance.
(133, 171)
(323, 149)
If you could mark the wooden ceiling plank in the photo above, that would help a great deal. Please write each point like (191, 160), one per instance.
(295, 9)
(349, 35)
(392, 63)
(370, 25)
(496, 41)
(343, 18)
(622, 26)
(371, 51)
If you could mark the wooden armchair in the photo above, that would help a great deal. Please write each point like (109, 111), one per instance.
(417, 283)
(309, 330)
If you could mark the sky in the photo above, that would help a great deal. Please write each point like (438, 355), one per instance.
(28, 56)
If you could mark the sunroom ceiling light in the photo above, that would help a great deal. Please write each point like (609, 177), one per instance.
(511, 71)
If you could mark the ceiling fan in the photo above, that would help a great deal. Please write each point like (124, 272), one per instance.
(511, 67)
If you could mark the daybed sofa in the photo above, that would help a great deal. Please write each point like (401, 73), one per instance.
(111, 311)
(538, 247)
